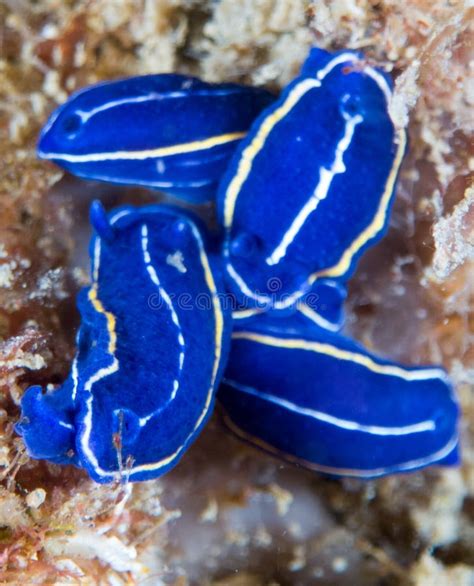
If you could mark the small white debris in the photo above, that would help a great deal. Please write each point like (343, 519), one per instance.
(299, 559)
(19, 122)
(262, 537)
(7, 275)
(49, 284)
(80, 55)
(25, 263)
(339, 565)
(176, 260)
(24, 360)
(88, 545)
(36, 498)
(238, 538)
(318, 572)
(295, 529)
(52, 86)
(50, 31)
(283, 498)
(209, 514)
(68, 566)
(406, 94)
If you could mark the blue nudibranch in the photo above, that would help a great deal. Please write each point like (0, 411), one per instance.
(299, 199)
(169, 132)
(319, 399)
(143, 382)
(311, 185)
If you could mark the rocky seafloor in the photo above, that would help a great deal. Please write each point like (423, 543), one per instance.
(228, 514)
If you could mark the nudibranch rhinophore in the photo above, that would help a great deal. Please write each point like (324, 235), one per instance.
(169, 132)
(320, 400)
(149, 355)
(310, 187)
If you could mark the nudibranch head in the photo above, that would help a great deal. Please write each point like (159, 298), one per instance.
(310, 187)
(150, 349)
(47, 425)
(169, 132)
(352, 86)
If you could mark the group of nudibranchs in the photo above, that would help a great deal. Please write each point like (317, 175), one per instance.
(303, 185)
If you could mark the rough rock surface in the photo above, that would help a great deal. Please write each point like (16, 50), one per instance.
(228, 515)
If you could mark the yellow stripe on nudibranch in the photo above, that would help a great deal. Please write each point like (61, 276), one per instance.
(218, 317)
(252, 150)
(113, 367)
(168, 151)
(93, 297)
(111, 321)
(341, 354)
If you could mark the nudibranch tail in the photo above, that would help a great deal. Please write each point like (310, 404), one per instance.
(320, 400)
(183, 132)
(311, 185)
(150, 356)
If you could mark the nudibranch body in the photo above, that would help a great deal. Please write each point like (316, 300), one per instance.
(149, 356)
(320, 400)
(169, 132)
(311, 185)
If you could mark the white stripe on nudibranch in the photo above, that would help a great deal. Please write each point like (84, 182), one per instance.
(326, 177)
(245, 313)
(85, 115)
(422, 426)
(166, 298)
(102, 373)
(406, 466)
(118, 215)
(317, 318)
(75, 378)
(311, 314)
